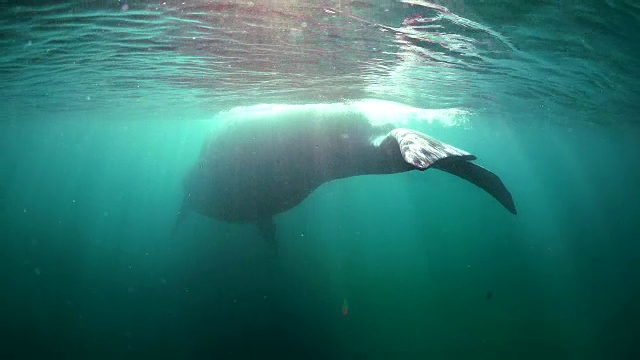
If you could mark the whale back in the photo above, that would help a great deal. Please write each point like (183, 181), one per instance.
(259, 166)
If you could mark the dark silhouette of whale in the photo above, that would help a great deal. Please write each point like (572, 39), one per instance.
(266, 162)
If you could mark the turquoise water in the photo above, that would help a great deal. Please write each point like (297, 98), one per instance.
(104, 107)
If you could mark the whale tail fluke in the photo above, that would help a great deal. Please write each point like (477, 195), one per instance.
(423, 152)
(480, 177)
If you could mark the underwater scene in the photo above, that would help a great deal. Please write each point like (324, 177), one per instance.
(298, 179)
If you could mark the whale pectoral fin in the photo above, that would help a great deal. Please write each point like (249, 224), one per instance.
(482, 178)
(424, 152)
(267, 229)
(180, 216)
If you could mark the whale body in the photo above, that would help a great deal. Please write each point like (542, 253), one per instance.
(261, 163)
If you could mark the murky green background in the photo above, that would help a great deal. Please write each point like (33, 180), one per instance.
(104, 109)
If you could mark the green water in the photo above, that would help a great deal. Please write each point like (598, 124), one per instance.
(430, 267)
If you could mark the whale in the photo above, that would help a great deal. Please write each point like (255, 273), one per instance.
(263, 161)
